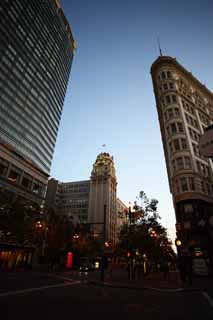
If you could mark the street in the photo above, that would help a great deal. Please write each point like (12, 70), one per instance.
(42, 295)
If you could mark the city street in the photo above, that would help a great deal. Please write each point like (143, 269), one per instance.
(41, 295)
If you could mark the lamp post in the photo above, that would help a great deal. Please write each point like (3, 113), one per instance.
(104, 240)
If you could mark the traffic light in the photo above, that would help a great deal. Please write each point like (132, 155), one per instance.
(128, 254)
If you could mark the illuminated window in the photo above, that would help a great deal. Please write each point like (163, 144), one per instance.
(14, 175)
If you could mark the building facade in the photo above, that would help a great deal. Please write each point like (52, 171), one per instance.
(69, 199)
(84, 201)
(122, 214)
(35, 62)
(103, 192)
(185, 109)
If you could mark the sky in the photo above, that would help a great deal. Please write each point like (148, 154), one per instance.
(110, 96)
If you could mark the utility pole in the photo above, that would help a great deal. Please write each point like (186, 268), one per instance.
(104, 238)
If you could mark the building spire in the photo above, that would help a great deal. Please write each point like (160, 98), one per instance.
(159, 47)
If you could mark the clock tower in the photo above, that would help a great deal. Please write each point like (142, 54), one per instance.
(103, 185)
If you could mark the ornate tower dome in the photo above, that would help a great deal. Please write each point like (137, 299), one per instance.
(103, 167)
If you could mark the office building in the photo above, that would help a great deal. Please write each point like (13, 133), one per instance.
(35, 60)
(69, 199)
(185, 109)
(84, 201)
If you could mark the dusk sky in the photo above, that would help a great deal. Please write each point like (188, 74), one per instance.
(110, 97)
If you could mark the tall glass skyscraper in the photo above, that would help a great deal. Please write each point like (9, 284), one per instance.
(36, 52)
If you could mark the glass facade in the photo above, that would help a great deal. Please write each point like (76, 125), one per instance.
(36, 52)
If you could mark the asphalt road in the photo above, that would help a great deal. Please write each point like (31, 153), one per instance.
(36, 295)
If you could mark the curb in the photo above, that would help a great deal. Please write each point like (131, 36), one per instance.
(174, 290)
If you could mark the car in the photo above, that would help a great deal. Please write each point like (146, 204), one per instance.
(86, 268)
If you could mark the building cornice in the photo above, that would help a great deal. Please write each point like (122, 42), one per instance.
(161, 60)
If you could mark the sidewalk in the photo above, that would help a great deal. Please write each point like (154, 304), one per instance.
(119, 278)
(155, 281)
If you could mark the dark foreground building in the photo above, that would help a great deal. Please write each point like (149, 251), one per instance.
(185, 109)
(36, 52)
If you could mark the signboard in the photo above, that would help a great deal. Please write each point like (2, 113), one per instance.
(206, 143)
(200, 267)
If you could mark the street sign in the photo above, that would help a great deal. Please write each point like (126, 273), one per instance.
(200, 267)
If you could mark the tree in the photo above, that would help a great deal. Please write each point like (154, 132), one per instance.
(145, 233)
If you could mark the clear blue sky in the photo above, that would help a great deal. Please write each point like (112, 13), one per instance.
(110, 97)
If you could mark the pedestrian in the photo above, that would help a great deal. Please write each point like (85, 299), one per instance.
(185, 266)
(139, 269)
(165, 269)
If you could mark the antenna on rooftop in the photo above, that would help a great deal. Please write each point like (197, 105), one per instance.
(159, 47)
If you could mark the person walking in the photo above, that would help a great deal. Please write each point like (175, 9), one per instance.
(185, 266)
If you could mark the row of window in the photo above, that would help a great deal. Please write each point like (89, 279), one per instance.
(190, 120)
(77, 190)
(204, 118)
(167, 86)
(196, 149)
(16, 176)
(177, 145)
(76, 206)
(189, 108)
(203, 169)
(174, 128)
(168, 99)
(181, 163)
(171, 113)
(186, 93)
(194, 135)
(184, 184)
(165, 75)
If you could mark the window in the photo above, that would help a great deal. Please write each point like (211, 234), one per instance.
(168, 131)
(176, 144)
(165, 86)
(168, 100)
(180, 127)
(14, 175)
(174, 129)
(195, 123)
(187, 162)
(208, 188)
(3, 167)
(183, 144)
(170, 147)
(191, 184)
(195, 149)
(26, 181)
(202, 186)
(170, 113)
(168, 74)
(174, 98)
(173, 165)
(177, 112)
(183, 183)
(171, 85)
(180, 164)
(163, 75)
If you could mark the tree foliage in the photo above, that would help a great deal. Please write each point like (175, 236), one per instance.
(145, 233)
